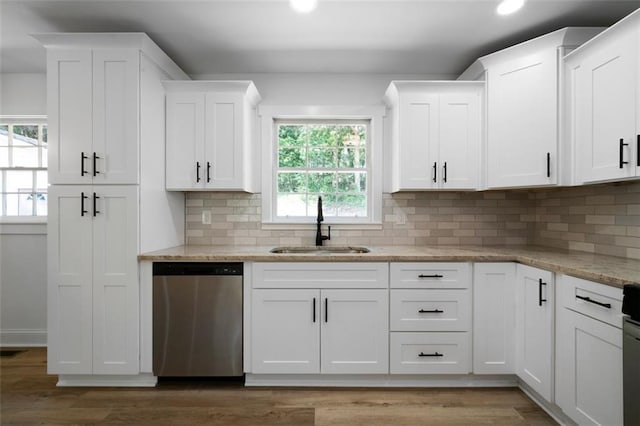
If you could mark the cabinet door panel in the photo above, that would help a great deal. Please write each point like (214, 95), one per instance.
(115, 281)
(285, 334)
(534, 322)
(522, 121)
(115, 115)
(69, 114)
(69, 288)
(223, 144)
(354, 332)
(185, 141)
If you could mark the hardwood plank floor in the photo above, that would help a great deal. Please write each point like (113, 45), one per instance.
(29, 396)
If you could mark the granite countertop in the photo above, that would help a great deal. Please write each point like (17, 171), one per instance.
(614, 271)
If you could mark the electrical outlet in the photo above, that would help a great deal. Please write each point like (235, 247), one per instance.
(206, 217)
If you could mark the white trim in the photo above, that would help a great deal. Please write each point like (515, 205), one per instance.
(23, 228)
(23, 119)
(23, 338)
(374, 113)
(81, 380)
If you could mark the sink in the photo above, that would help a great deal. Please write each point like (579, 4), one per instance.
(320, 250)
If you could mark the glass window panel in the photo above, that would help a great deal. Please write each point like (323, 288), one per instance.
(291, 205)
(362, 181)
(25, 132)
(347, 182)
(322, 157)
(41, 201)
(328, 205)
(291, 135)
(45, 135)
(45, 156)
(291, 157)
(321, 182)
(4, 135)
(352, 205)
(42, 179)
(25, 156)
(292, 182)
(323, 134)
(4, 156)
(19, 180)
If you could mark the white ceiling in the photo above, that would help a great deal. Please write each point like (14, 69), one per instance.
(264, 36)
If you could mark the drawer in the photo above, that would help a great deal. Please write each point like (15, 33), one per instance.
(430, 310)
(596, 300)
(430, 275)
(320, 275)
(430, 353)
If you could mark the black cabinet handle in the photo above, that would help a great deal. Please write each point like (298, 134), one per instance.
(326, 309)
(431, 276)
(314, 309)
(432, 311)
(595, 302)
(82, 198)
(422, 354)
(95, 210)
(82, 158)
(197, 172)
(540, 299)
(638, 151)
(622, 145)
(548, 164)
(435, 172)
(95, 167)
(208, 171)
(444, 168)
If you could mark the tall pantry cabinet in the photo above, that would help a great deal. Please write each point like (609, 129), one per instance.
(105, 104)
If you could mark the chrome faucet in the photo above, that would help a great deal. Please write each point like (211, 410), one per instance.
(319, 237)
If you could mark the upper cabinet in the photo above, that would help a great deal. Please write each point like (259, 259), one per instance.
(604, 100)
(523, 116)
(210, 129)
(436, 134)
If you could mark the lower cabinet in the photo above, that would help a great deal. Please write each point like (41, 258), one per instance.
(311, 331)
(589, 352)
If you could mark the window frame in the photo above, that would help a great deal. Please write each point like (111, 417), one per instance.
(271, 116)
(12, 120)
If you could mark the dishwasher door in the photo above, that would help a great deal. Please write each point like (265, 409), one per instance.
(631, 371)
(197, 319)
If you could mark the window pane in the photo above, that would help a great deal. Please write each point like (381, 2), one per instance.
(321, 182)
(347, 182)
(292, 182)
(322, 157)
(291, 205)
(4, 156)
(291, 157)
(19, 180)
(41, 201)
(292, 135)
(25, 133)
(45, 158)
(41, 179)
(25, 155)
(323, 134)
(4, 135)
(352, 205)
(328, 205)
(44, 135)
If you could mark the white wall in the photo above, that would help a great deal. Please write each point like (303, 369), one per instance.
(23, 254)
(23, 94)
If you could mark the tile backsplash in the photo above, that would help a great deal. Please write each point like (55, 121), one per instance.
(596, 218)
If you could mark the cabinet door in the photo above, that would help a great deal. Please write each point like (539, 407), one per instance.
(223, 149)
(522, 121)
(605, 109)
(185, 141)
(69, 107)
(115, 116)
(115, 280)
(418, 142)
(355, 332)
(589, 373)
(459, 142)
(534, 324)
(494, 314)
(285, 331)
(69, 288)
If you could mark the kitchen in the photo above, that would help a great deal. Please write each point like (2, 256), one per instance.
(406, 226)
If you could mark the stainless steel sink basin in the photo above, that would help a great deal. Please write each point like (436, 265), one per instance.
(320, 250)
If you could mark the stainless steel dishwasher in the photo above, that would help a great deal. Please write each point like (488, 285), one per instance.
(197, 319)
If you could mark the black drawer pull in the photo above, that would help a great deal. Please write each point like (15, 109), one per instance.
(95, 166)
(82, 198)
(82, 158)
(595, 302)
(622, 145)
(95, 202)
(444, 172)
(326, 309)
(314, 309)
(548, 164)
(431, 311)
(197, 172)
(208, 172)
(540, 299)
(431, 276)
(435, 172)
(422, 354)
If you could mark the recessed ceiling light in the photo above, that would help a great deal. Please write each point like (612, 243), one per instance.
(303, 6)
(507, 7)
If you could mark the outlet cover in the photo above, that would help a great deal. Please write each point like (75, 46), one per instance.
(206, 217)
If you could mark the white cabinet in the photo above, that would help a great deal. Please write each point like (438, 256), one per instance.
(523, 118)
(436, 134)
(604, 101)
(494, 318)
(535, 329)
(93, 285)
(92, 110)
(311, 330)
(589, 352)
(210, 128)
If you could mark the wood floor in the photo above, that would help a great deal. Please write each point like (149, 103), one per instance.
(29, 396)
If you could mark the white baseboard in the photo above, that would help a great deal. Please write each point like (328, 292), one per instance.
(81, 380)
(551, 409)
(23, 338)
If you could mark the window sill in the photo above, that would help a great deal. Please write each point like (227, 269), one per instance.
(22, 220)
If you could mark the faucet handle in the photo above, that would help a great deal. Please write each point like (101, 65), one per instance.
(328, 236)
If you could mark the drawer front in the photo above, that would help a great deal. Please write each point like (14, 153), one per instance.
(430, 275)
(430, 353)
(430, 310)
(320, 275)
(596, 300)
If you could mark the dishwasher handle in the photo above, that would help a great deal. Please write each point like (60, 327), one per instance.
(197, 268)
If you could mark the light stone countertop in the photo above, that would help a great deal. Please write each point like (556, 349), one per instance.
(613, 271)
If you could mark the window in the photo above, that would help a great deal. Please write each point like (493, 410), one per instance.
(333, 152)
(23, 167)
(325, 159)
